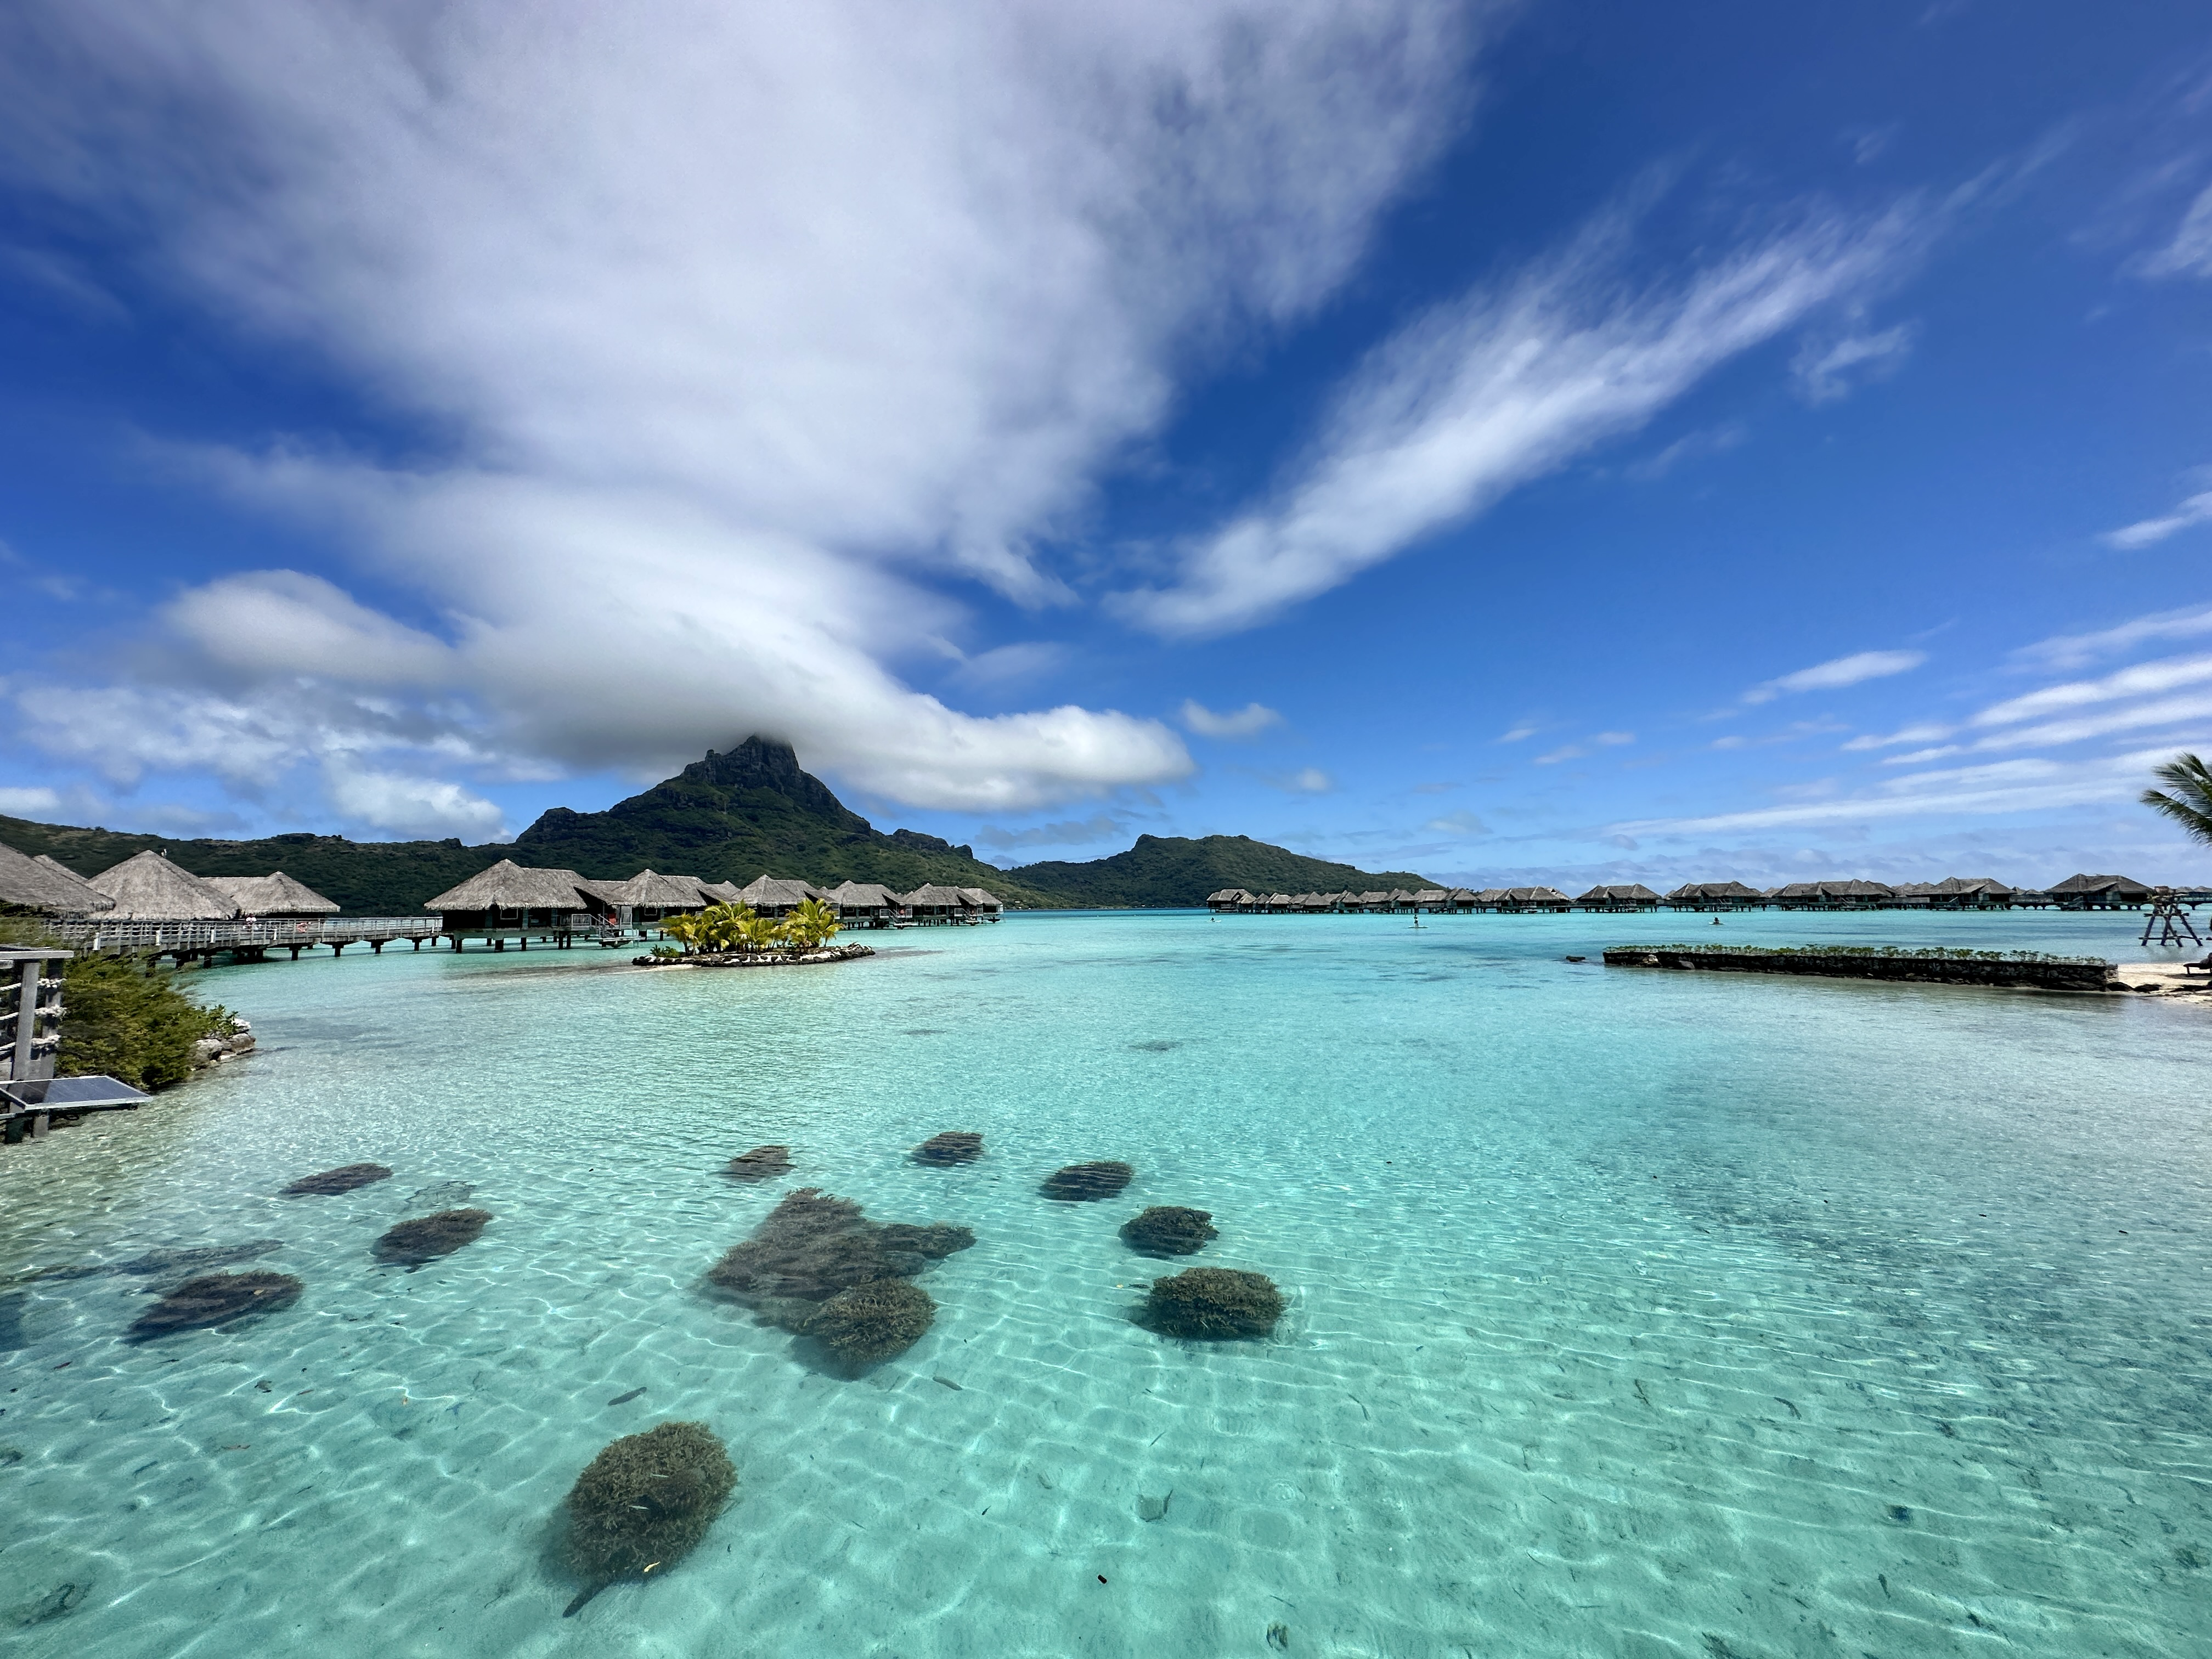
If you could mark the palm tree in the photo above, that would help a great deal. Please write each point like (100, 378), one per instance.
(2189, 805)
(755, 932)
(725, 923)
(688, 931)
(811, 923)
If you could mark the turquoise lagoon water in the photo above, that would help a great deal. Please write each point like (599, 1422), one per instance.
(1630, 1313)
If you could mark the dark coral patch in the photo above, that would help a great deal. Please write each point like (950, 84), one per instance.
(645, 1501)
(809, 1247)
(1168, 1230)
(215, 1299)
(874, 1321)
(1079, 1183)
(954, 1146)
(1213, 1302)
(344, 1179)
(937, 1241)
(431, 1235)
(762, 1164)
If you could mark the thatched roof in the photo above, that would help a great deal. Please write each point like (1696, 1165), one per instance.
(659, 892)
(1536, 895)
(1716, 890)
(863, 895)
(1375, 897)
(772, 893)
(508, 886)
(722, 892)
(277, 895)
(981, 898)
(2077, 885)
(932, 896)
(1490, 895)
(1227, 895)
(1989, 886)
(1432, 896)
(148, 888)
(1619, 892)
(51, 889)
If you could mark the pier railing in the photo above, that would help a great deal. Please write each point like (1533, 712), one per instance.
(167, 936)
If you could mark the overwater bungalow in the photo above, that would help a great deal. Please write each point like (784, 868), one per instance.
(1530, 899)
(1715, 896)
(1833, 896)
(864, 903)
(147, 887)
(933, 904)
(772, 896)
(1434, 900)
(982, 905)
(650, 897)
(1971, 893)
(509, 902)
(1462, 901)
(1490, 898)
(1227, 899)
(2100, 893)
(277, 897)
(1622, 896)
(39, 886)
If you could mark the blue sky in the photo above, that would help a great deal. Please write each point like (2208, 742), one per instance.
(1553, 441)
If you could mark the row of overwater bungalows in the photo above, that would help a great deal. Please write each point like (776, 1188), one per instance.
(506, 897)
(2082, 892)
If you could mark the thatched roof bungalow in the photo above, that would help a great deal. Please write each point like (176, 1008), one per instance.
(651, 895)
(2100, 893)
(1432, 899)
(1619, 896)
(1535, 898)
(279, 896)
(1227, 899)
(147, 887)
(508, 897)
(863, 901)
(45, 888)
(933, 902)
(1971, 893)
(770, 895)
(1715, 896)
(1833, 896)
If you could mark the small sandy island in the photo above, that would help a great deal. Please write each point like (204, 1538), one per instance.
(760, 959)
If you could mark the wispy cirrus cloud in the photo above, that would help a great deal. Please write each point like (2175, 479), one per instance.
(2190, 253)
(1838, 672)
(2191, 513)
(2069, 651)
(1828, 371)
(1249, 721)
(1504, 384)
(1927, 731)
(2141, 680)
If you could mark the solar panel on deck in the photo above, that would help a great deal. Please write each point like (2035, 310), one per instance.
(71, 1094)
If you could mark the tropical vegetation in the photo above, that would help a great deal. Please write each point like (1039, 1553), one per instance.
(2190, 805)
(121, 1018)
(741, 928)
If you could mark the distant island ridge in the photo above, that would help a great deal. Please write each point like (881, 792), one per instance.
(731, 816)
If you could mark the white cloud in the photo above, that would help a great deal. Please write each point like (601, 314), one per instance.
(1565, 752)
(1613, 739)
(1924, 733)
(1827, 373)
(1306, 780)
(725, 317)
(1249, 721)
(2142, 679)
(2170, 711)
(1714, 440)
(1838, 672)
(2015, 786)
(2196, 510)
(1519, 733)
(2078, 650)
(1501, 387)
(410, 807)
(2190, 253)
(29, 802)
(1457, 823)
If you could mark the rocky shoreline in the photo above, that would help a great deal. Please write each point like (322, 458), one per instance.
(760, 959)
(233, 1042)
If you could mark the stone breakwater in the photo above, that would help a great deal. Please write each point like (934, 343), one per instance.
(2001, 973)
(762, 959)
(233, 1040)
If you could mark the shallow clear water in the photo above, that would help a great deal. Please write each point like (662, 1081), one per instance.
(1630, 1313)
